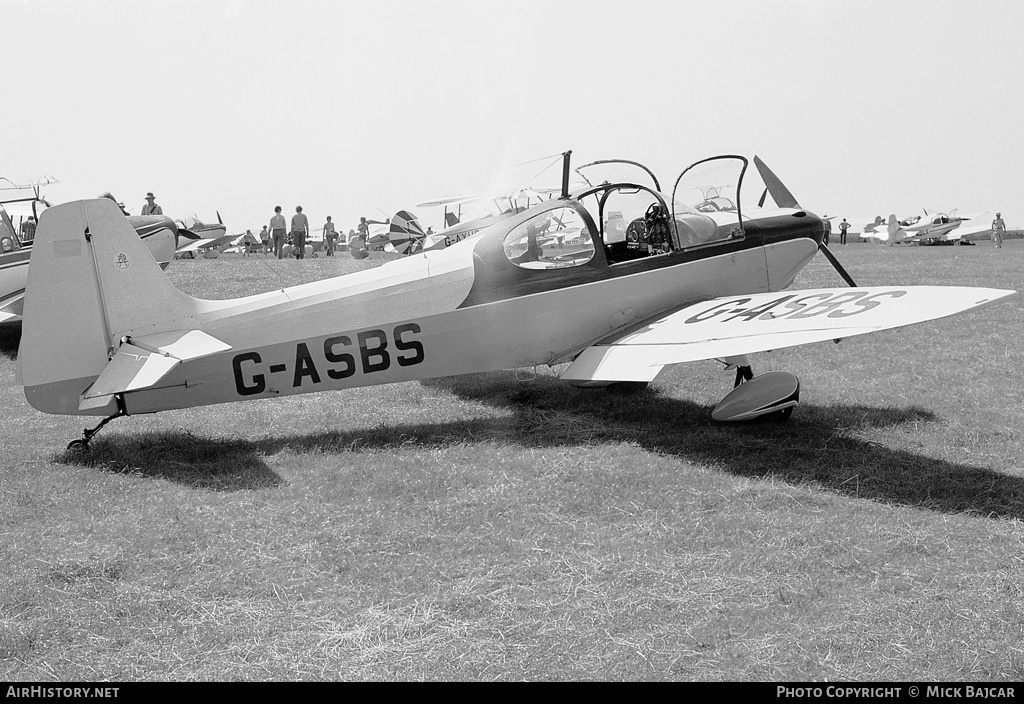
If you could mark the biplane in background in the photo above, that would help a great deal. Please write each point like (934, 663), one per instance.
(107, 334)
(464, 217)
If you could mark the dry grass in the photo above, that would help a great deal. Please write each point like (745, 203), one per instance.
(504, 526)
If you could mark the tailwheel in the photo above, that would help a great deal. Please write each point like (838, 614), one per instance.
(87, 434)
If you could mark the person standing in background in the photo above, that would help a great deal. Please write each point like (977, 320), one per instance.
(151, 208)
(330, 236)
(998, 230)
(28, 230)
(300, 228)
(277, 232)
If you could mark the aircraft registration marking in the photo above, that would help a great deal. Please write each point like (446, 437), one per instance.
(335, 358)
(795, 306)
(449, 240)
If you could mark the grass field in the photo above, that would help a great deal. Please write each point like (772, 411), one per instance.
(505, 526)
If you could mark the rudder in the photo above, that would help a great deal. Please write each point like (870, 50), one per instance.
(91, 281)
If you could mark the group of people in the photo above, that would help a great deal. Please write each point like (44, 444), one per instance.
(843, 227)
(277, 235)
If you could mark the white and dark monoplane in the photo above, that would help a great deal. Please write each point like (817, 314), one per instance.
(931, 228)
(156, 231)
(107, 334)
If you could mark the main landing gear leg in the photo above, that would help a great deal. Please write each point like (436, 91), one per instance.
(743, 374)
(87, 434)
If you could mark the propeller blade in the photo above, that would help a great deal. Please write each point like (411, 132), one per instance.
(835, 263)
(764, 194)
(780, 194)
(218, 217)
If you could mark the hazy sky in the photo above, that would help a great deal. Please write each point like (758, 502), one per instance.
(361, 108)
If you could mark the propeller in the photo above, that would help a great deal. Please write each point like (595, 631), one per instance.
(835, 263)
(405, 233)
(784, 199)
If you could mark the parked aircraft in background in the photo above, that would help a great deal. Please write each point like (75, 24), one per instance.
(30, 194)
(158, 233)
(193, 228)
(931, 228)
(107, 334)
(858, 227)
(407, 235)
(192, 247)
(935, 227)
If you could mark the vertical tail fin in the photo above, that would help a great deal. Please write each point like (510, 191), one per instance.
(91, 281)
(893, 228)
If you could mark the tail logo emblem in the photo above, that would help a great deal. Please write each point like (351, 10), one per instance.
(122, 261)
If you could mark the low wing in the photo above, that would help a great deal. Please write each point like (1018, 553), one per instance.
(973, 225)
(193, 245)
(738, 325)
(204, 243)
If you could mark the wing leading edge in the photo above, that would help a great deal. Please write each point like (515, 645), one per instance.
(738, 325)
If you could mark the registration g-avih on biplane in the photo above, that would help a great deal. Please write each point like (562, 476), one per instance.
(692, 285)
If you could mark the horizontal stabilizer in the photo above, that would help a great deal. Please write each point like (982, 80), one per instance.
(758, 322)
(132, 368)
(145, 360)
(182, 344)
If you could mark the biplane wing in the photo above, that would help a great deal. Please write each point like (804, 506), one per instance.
(740, 325)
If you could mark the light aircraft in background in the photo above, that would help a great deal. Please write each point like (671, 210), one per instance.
(156, 231)
(107, 334)
(935, 227)
(28, 193)
(407, 235)
(193, 228)
(931, 228)
(190, 248)
(865, 228)
(195, 236)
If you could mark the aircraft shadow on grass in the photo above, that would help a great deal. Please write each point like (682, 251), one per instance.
(818, 446)
(219, 464)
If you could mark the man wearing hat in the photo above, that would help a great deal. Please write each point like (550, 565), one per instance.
(151, 208)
